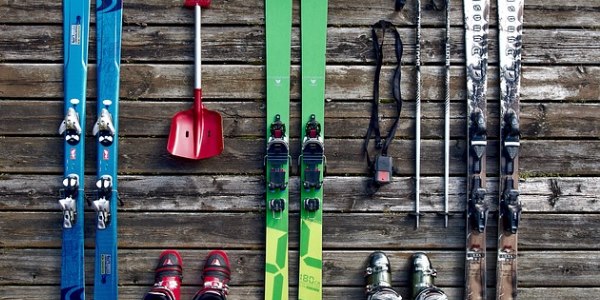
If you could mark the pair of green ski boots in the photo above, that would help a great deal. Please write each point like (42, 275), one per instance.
(378, 277)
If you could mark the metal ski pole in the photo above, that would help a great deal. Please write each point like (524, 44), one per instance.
(418, 117)
(447, 117)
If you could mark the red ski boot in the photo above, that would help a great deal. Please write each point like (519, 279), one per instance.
(168, 275)
(215, 277)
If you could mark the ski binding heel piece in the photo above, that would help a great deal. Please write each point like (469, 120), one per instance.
(383, 169)
(102, 205)
(312, 155)
(278, 150)
(477, 206)
(68, 203)
(312, 204)
(277, 206)
(510, 207)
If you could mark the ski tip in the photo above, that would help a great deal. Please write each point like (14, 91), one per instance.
(192, 3)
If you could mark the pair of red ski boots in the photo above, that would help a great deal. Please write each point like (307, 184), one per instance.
(168, 275)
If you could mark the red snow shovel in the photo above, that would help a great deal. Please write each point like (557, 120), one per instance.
(196, 133)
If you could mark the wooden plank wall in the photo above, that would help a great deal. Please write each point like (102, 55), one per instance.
(218, 203)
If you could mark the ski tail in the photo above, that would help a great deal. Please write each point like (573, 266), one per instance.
(313, 29)
(109, 27)
(278, 15)
(510, 24)
(76, 16)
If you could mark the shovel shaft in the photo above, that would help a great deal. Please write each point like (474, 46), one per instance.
(198, 101)
(197, 50)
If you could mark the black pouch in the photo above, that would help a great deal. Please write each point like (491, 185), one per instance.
(383, 169)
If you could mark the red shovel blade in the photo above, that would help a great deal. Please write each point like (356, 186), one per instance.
(192, 3)
(196, 133)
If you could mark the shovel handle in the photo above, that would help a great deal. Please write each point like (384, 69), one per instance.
(198, 106)
(192, 3)
(197, 5)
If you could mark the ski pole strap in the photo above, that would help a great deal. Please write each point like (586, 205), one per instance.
(434, 5)
(399, 4)
(382, 165)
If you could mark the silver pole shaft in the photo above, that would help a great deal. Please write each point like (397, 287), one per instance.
(418, 117)
(197, 50)
(447, 117)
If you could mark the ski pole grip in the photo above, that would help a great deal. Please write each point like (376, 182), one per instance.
(192, 3)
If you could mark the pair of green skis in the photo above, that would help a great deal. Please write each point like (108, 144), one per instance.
(313, 20)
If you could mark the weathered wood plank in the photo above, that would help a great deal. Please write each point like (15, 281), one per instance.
(128, 292)
(245, 119)
(554, 83)
(342, 194)
(387, 230)
(136, 267)
(246, 45)
(581, 13)
(187, 292)
(245, 156)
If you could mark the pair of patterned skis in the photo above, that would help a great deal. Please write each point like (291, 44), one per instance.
(76, 15)
(313, 22)
(510, 24)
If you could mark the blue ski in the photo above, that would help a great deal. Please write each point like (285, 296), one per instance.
(108, 36)
(76, 16)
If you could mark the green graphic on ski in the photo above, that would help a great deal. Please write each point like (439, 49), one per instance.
(313, 30)
(278, 15)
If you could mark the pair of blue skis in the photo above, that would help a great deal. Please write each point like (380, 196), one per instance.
(76, 16)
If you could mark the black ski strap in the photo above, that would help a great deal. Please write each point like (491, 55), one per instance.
(382, 144)
(434, 5)
(399, 4)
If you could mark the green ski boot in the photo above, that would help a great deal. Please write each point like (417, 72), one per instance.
(378, 276)
(423, 277)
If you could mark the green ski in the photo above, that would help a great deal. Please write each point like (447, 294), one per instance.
(313, 22)
(278, 15)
